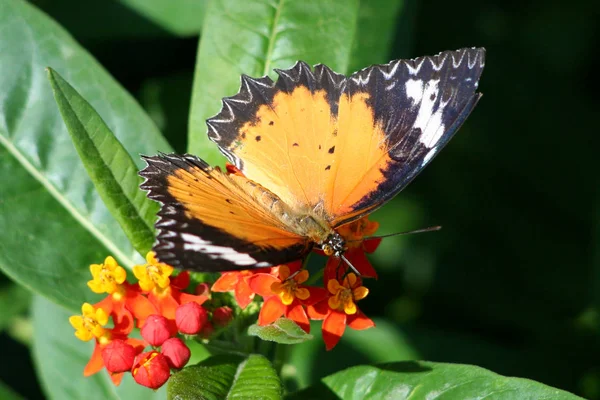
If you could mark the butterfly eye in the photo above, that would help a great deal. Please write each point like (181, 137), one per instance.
(328, 250)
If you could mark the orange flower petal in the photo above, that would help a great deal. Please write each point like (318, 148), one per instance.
(140, 307)
(226, 282)
(183, 298)
(360, 321)
(302, 276)
(261, 284)
(297, 314)
(350, 280)
(116, 378)
(302, 293)
(333, 286)
(284, 272)
(243, 293)
(360, 293)
(96, 362)
(333, 329)
(271, 309)
(318, 311)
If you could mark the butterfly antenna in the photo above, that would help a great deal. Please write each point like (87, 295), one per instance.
(429, 229)
(352, 267)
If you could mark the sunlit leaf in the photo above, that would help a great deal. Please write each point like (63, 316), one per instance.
(226, 377)
(426, 380)
(53, 224)
(110, 167)
(283, 331)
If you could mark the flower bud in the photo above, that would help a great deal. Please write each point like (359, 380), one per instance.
(190, 318)
(118, 356)
(222, 316)
(176, 352)
(207, 330)
(156, 330)
(151, 369)
(202, 289)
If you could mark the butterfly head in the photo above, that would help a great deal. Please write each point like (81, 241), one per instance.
(334, 245)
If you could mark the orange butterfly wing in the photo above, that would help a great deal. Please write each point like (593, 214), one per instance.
(212, 221)
(341, 147)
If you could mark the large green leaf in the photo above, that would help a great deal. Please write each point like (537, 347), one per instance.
(417, 380)
(227, 376)
(252, 38)
(60, 359)
(181, 17)
(111, 168)
(52, 223)
(377, 25)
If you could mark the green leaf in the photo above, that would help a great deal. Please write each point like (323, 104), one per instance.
(252, 38)
(108, 164)
(53, 224)
(180, 17)
(376, 29)
(226, 376)
(283, 331)
(60, 359)
(384, 343)
(6, 392)
(14, 301)
(426, 380)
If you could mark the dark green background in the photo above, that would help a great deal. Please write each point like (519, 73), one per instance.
(511, 282)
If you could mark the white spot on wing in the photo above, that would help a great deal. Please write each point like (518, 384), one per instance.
(195, 243)
(428, 121)
(414, 90)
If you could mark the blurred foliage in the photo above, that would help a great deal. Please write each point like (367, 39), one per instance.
(512, 282)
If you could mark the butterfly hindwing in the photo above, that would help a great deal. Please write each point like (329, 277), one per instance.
(211, 221)
(342, 146)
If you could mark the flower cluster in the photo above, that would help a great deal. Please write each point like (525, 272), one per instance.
(158, 305)
(285, 292)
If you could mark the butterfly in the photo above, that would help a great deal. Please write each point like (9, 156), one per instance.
(313, 151)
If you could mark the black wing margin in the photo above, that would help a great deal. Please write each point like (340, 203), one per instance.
(421, 103)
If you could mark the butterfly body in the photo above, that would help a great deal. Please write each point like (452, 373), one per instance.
(313, 151)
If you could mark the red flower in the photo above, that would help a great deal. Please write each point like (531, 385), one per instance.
(98, 360)
(340, 309)
(190, 318)
(238, 282)
(118, 356)
(176, 352)
(222, 316)
(156, 330)
(151, 369)
(285, 295)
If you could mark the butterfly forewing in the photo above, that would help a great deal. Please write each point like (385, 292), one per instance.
(342, 146)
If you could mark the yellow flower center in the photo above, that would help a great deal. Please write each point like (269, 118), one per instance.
(107, 277)
(90, 324)
(145, 364)
(153, 274)
(346, 295)
(288, 287)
